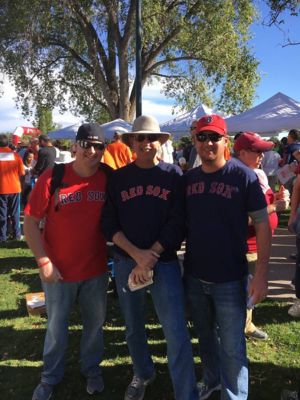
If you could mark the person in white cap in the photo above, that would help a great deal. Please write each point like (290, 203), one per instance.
(143, 216)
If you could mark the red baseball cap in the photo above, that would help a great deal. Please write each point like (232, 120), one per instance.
(213, 123)
(252, 141)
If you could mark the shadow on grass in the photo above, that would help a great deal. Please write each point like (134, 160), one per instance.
(19, 382)
(14, 244)
(266, 313)
(7, 264)
(267, 380)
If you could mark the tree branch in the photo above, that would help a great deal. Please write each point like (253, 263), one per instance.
(169, 60)
(86, 89)
(169, 76)
(56, 42)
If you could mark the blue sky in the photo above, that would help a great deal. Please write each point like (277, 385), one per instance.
(279, 68)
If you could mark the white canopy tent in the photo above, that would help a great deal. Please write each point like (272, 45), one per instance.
(180, 126)
(118, 125)
(278, 113)
(69, 132)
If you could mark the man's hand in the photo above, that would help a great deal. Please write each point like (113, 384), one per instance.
(140, 275)
(50, 274)
(145, 259)
(258, 288)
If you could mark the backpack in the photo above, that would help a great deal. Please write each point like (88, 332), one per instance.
(58, 174)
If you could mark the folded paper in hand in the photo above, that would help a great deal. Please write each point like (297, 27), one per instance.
(133, 286)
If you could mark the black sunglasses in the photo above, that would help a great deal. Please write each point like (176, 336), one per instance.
(211, 136)
(141, 137)
(84, 144)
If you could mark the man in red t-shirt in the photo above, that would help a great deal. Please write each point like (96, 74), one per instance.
(71, 256)
(249, 149)
(11, 169)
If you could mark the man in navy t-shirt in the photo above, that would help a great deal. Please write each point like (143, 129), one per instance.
(220, 196)
(144, 217)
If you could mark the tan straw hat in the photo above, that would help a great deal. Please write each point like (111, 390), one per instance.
(147, 125)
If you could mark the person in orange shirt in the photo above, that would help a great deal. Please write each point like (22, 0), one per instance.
(107, 159)
(119, 151)
(11, 169)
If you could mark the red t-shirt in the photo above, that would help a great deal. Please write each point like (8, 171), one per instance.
(72, 236)
(11, 168)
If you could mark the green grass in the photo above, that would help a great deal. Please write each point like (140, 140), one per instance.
(274, 364)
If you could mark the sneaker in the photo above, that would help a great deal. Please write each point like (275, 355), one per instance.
(42, 392)
(136, 388)
(294, 310)
(94, 384)
(205, 391)
(257, 335)
(289, 395)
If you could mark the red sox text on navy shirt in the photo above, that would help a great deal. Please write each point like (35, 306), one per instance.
(150, 190)
(218, 188)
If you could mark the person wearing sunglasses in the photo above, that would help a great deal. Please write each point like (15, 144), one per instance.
(249, 150)
(143, 216)
(220, 196)
(71, 258)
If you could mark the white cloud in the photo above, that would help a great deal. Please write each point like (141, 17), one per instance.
(154, 103)
(163, 112)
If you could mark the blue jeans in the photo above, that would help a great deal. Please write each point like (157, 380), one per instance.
(168, 298)
(60, 297)
(10, 207)
(219, 314)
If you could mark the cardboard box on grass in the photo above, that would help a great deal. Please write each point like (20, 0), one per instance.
(35, 303)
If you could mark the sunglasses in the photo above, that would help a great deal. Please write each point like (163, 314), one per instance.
(211, 136)
(141, 137)
(84, 144)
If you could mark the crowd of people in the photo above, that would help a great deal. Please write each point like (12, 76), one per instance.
(222, 196)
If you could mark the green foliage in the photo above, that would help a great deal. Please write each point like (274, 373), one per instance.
(82, 53)
(44, 119)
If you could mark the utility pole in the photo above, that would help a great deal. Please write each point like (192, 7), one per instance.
(138, 63)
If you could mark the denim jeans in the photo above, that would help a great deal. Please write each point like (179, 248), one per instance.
(168, 298)
(60, 297)
(10, 207)
(219, 313)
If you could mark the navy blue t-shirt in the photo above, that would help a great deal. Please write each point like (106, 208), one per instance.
(290, 149)
(217, 206)
(147, 205)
